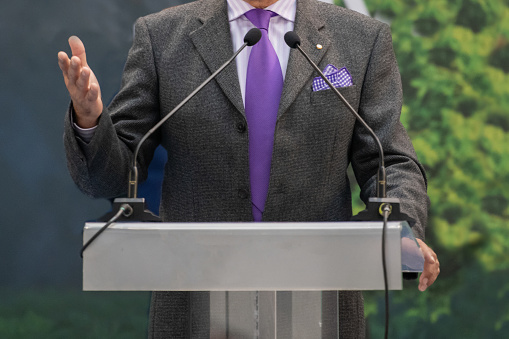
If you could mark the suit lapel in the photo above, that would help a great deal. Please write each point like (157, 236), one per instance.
(309, 27)
(213, 42)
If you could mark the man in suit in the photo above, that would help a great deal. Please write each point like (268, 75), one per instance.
(207, 176)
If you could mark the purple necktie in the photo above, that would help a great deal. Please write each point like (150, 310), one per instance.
(264, 85)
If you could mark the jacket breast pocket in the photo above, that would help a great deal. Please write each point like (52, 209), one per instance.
(328, 98)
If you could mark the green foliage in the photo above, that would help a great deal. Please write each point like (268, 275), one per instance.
(454, 63)
(73, 314)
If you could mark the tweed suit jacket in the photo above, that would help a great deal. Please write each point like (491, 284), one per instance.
(207, 174)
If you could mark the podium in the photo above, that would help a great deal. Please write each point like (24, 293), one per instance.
(263, 278)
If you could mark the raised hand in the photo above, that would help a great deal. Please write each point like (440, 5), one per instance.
(81, 84)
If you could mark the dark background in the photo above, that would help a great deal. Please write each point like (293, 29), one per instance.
(42, 211)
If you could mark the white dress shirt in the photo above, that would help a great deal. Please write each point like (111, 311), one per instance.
(279, 25)
(239, 26)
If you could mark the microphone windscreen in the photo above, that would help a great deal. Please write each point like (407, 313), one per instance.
(253, 36)
(292, 39)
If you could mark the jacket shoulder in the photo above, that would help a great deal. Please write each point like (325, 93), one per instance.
(183, 19)
(340, 17)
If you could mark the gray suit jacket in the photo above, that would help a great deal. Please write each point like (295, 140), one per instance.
(316, 138)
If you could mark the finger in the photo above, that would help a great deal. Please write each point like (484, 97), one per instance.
(431, 268)
(425, 278)
(426, 281)
(423, 283)
(78, 49)
(63, 62)
(434, 274)
(83, 80)
(93, 93)
(74, 69)
(429, 275)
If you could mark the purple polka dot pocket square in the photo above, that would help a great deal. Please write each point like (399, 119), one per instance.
(338, 77)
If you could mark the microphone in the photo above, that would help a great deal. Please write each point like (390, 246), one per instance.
(292, 39)
(251, 38)
(133, 208)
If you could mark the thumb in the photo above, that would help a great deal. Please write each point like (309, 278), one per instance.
(78, 49)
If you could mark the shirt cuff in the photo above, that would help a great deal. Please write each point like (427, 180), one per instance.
(85, 134)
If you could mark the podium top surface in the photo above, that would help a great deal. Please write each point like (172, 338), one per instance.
(256, 226)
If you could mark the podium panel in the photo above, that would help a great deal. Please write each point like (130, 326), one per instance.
(264, 280)
(245, 256)
(274, 314)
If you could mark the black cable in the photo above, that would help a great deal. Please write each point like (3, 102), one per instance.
(386, 211)
(124, 209)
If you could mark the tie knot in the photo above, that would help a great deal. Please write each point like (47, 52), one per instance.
(260, 17)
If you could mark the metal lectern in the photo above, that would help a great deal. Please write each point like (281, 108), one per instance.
(266, 280)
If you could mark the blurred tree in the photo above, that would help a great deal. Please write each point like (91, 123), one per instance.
(454, 62)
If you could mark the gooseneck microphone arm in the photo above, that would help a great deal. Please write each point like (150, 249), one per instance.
(133, 208)
(380, 206)
(250, 39)
(293, 41)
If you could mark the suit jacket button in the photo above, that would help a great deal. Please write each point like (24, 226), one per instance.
(241, 127)
(243, 194)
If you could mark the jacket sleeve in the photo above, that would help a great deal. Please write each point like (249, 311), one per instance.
(100, 168)
(380, 105)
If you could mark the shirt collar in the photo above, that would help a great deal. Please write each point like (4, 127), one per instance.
(284, 8)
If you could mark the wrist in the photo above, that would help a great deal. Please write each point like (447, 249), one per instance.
(85, 123)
